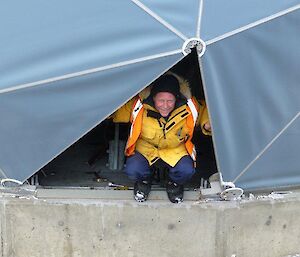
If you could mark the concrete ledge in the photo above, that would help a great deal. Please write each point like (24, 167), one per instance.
(76, 193)
(262, 226)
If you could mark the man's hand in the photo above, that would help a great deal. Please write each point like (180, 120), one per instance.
(207, 126)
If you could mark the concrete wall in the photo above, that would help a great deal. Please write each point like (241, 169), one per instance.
(264, 227)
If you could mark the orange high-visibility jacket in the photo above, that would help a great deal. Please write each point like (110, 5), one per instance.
(156, 138)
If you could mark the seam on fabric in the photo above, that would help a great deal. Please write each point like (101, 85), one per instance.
(160, 20)
(98, 122)
(89, 71)
(266, 148)
(207, 100)
(201, 2)
(253, 24)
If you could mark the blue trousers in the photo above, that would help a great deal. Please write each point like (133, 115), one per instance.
(138, 168)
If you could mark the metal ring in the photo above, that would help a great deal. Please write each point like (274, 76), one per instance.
(191, 43)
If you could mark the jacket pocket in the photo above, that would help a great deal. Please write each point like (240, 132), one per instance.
(148, 133)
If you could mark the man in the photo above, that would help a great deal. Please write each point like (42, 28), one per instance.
(162, 118)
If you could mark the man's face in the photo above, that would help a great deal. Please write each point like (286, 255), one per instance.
(164, 102)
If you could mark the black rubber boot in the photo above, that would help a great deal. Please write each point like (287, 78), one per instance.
(141, 190)
(175, 192)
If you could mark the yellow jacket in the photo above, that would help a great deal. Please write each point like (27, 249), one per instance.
(157, 138)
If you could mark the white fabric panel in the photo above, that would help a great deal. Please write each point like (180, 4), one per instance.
(38, 123)
(182, 15)
(253, 92)
(279, 165)
(251, 78)
(220, 16)
(41, 39)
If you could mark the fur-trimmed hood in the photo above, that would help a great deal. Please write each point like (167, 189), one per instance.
(183, 84)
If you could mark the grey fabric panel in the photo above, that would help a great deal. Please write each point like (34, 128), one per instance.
(182, 15)
(280, 165)
(43, 39)
(220, 16)
(252, 83)
(40, 122)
